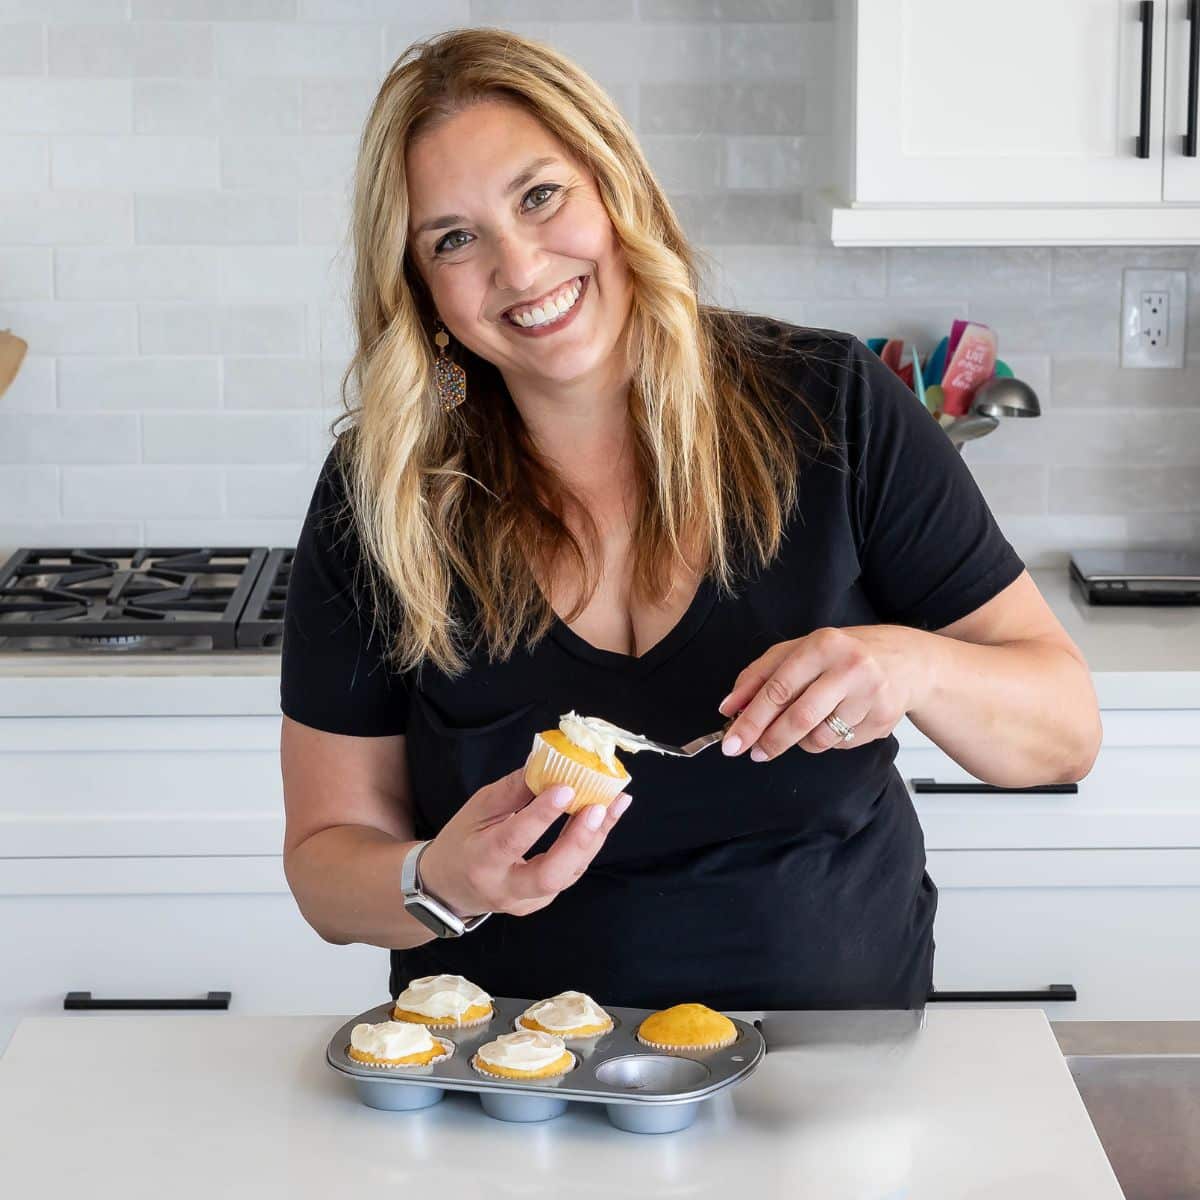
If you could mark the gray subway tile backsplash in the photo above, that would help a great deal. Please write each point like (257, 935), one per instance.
(173, 245)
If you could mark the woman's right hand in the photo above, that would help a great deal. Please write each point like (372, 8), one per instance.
(477, 862)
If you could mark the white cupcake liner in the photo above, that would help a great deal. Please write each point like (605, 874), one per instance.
(447, 1046)
(683, 1049)
(475, 1062)
(546, 766)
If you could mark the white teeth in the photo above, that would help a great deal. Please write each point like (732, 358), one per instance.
(551, 310)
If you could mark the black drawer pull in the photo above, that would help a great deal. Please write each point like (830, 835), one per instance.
(214, 1000)
(1056, 991)
(932, 785)
(1189, 138)
(1146, 14)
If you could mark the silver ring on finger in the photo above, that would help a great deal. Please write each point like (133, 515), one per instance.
(845, 732)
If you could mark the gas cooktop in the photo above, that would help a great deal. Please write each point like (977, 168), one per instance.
(143, 599)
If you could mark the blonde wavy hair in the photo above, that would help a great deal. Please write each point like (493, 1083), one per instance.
(440, 499)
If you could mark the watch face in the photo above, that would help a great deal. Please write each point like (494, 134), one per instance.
(428, 916)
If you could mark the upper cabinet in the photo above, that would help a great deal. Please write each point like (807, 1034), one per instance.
(1181, 147)
(1031, 121)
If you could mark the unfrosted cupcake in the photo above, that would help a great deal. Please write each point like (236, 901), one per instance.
(568, 1015)
(581, 752)
(526, 1054)
(687, 1027)
(443, 1002)
(397, 1044)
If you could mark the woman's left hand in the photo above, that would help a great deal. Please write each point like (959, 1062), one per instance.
(867, 675)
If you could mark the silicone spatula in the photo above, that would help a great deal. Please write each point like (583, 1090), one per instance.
(936, 366)
(973, 361)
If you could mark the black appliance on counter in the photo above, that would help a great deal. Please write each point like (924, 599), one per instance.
(143, 600)
(1137, 576)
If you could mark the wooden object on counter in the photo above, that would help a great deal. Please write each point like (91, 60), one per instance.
(12, 353)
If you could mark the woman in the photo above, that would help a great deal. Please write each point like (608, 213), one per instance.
(650, 510)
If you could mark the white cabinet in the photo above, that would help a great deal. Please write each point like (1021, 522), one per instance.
(1181, 145)
(1028, 102)
(140, 858)
(145, 929)
(1099, 889)
(1020, 123)
(1117, 925)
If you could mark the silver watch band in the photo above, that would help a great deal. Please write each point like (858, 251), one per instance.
(427, 908)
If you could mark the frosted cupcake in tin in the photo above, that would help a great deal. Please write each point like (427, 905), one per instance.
(687, 1027)
(526, 1054)
(397, 1044)
(567, 1015)
(581, 752)
(443, 1002)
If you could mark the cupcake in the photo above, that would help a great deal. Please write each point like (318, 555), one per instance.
(527, 1054)
(687, 1027)
(581, 752)
(568, 1015)
(443, 1002)
(397, 1044)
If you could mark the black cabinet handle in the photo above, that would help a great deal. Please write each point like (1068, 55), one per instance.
(1189, 138)
(932, 785)
(214, 1000)
(1147, 18)
(1056, 991)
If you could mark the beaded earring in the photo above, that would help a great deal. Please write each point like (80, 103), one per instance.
(451, 378)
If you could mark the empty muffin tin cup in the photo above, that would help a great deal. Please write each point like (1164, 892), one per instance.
(646, 1075)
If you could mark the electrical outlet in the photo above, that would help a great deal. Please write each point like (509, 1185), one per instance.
(1153, 317)
(1156, 319)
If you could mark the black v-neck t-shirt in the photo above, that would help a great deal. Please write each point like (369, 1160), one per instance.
(795, 883)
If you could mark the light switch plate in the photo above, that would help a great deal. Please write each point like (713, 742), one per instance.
(1153, 317)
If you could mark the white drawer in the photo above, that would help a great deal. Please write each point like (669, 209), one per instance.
(164, 928)
(81, 786)
(1143, 791)
(1119, 925)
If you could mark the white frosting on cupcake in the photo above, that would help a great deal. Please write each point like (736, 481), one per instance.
(600, 737)
(391, 1039)
(567, 1010)
(441, 996)
(527, 1050)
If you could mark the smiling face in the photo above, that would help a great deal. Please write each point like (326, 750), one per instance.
(509, 229)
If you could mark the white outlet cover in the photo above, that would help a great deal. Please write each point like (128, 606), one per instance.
(1136, 350)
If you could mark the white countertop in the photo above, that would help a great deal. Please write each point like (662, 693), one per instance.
(1140, 658)
(124, 1106)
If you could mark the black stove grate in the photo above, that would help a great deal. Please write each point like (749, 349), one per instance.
(141, 598)
(261, 624)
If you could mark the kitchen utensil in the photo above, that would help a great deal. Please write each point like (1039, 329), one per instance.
(936, 366)
(918, 378)
(1005, 397)
(935, 401)
(972, 362)
(1003, 370)
(966, 429)
(642, 1090)
(688, 749)
(12, 352)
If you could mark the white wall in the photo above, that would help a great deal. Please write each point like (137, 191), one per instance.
(171, 246)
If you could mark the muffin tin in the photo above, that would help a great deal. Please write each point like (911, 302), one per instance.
(642, 1090)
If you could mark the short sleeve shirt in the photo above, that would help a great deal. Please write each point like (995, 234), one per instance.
(795, 883)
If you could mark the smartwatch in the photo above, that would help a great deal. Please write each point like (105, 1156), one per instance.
(429, 910)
